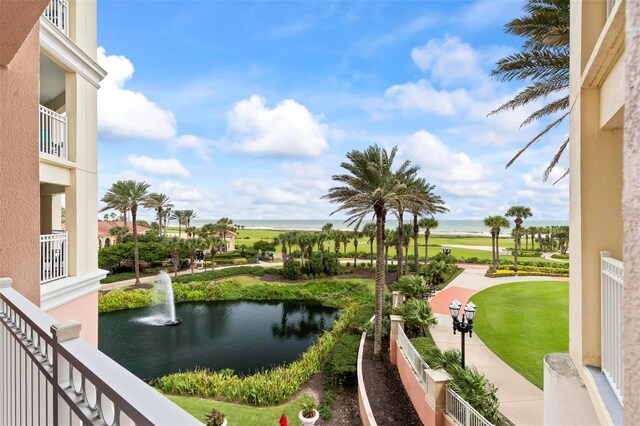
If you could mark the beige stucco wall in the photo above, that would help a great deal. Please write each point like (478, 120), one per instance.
(84, 310)
(19, 185)
(632, 218)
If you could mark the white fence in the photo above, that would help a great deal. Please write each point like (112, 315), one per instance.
(612, 322)
(58, 13)
(53, 133)
(50, 376)
(463, 413)
(53, 257)
(416, 361)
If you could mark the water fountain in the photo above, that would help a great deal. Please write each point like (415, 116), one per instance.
(165, 284)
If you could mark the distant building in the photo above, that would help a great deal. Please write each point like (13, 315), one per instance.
(105, 239)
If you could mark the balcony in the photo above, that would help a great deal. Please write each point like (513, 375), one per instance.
(58, 13)
(50, 375)
(53, 133)
(612, 275)
(53, 256)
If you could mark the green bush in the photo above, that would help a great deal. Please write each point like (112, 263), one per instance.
(240, 261)
(220, 273)
(560, 256)
(342, 364)
(291, 269)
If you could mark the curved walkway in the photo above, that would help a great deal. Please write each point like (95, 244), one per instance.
(520, 400)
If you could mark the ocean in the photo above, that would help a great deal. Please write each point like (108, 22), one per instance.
(448, 227)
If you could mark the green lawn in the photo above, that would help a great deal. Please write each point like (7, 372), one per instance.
(522, 322)
(241, 414)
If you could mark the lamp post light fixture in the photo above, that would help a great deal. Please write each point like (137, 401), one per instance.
(465, 325)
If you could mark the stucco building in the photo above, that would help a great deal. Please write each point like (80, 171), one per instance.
(596, 383)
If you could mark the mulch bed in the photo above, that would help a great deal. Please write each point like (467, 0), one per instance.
(390, 403)
(135, 287)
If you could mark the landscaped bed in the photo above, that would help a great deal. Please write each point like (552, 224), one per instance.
(524, 322)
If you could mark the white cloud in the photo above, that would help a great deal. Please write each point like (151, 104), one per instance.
(124, 113)
(158, 166)
(200, 146)
(288, 129)
(448, 60)
(183, 195)
(423, 97)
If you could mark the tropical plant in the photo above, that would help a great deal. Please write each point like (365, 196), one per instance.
(160, 203)
(308, 409)
(427, 223)
(520, 213)
(411, 286)
(118, 232)
(214, 418)
(543, 62)
(132, 194)
(418, 315)
(189, 215)
(225, 225)
(355, 235)
(496, 223)
(180, 216)
(370, 185)
(114, 201)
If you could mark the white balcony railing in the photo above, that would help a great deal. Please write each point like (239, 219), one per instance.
(416, 361)
(463, 413)
(612, 321)
(50, 376)
(58, 13)
(53, 133)
(53, 256)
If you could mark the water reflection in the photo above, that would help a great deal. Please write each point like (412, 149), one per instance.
(243, 336)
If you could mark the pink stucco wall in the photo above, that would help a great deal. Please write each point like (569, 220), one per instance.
(363, 412)
(84, 310)
(417, 393)
(19, 175)
(631, 204)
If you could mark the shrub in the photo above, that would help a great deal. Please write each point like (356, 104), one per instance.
(220, 273)
(291, 269)
(369, 327)
(330, 264)
(560, 256)
(341, 365)
(240, 261)
(411, 286)
(214, 418)
(441, 257)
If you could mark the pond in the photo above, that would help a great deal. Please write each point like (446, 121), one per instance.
(240, 335)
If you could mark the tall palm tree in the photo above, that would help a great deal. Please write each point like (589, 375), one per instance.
(133, 194)
(355, 235)
(369, 231)
(179, 216)
(327, 228)
(215, 244)
(225, 225)
(370, 185)
(520, 213)
(543, 62)
(282, 239)
(429, 204)
(160, 203)
(113, 201)
(496, 223)
(427, 223)
(189, 215)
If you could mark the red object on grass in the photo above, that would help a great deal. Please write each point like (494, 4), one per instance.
(284, 421)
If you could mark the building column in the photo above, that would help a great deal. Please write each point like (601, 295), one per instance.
(632, 217)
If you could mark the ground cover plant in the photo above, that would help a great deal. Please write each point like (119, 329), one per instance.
(525, 322)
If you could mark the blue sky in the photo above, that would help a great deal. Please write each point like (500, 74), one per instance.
(245, 109)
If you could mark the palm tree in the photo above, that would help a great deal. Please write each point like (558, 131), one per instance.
(370, 185)
(369, 231)
(429, 204)
(133, 194)
(496, 223)
(189, 215)
(520, 213)
(113, 201)
(215, 243)
(355, 235)
(225, 225)
(118, 232)
(179, 216)
(428, 223)
(160, 203)
(543, 62)
(327, 228)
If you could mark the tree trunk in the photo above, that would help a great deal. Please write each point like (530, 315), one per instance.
(124, 218)
(371, 252)
(284, 253)
(400, 245)
(497, 248)
(426, 246)
(136, 255)
(416, 229)
(380, 281)
(355, 255)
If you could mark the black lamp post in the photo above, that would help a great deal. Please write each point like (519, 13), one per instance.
(466, 325)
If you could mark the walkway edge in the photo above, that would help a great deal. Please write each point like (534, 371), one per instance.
(366, 414)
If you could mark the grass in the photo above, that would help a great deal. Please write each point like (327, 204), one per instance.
(238, 414)
(522, 322)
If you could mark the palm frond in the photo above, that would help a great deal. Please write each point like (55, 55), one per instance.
(537, 138)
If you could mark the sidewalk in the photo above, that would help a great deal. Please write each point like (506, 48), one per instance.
(520, 400)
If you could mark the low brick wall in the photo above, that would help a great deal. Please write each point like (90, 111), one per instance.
(417, 392)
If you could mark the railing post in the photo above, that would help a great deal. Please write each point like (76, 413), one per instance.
(4, 283)
(397, 299)
(397, 321)
(61, 332)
